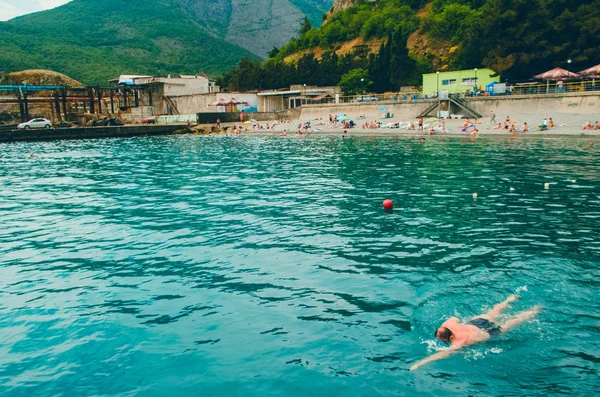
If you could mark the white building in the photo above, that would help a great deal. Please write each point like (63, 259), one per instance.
(178, 86)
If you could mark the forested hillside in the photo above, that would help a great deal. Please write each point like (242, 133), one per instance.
(94, 40)
(516, 38)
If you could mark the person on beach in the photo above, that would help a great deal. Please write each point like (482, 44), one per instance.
(597, 126)
(420, 122)
(588, 126)
(550, 123)
(477, 329)
(219, 123)
(493, 115)
(498, 127)
(474, 132)
(525, 127)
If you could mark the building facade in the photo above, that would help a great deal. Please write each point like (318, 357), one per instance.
(458, 81)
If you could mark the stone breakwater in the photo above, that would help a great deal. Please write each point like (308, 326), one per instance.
(91, 132)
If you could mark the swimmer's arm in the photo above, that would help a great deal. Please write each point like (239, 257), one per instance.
(436, 356)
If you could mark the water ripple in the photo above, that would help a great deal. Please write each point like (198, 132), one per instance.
(264, 266)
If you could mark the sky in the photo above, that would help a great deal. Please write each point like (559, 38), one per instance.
(13, 8)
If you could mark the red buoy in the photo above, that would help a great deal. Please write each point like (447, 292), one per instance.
(387, 204)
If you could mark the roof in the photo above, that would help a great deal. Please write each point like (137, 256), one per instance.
(127, 79)
(275, 93)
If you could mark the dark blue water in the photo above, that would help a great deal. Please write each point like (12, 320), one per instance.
(253, 266)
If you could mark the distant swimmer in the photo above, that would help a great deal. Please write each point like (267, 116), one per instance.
(478, 329)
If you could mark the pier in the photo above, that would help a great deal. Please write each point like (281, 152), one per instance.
(125, 131)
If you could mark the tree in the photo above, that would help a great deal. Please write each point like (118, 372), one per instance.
(305, 26)
(355, 82)
(273, 53)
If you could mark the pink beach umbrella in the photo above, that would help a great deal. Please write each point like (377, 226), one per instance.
(557, 74)
(220, 102)
(593, 72)
(235, 101)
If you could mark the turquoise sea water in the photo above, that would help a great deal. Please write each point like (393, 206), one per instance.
(260, 266)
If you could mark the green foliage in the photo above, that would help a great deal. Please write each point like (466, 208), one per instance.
(359, 20)
(274, 73)
(305, 25)
(356, 81)
(273, 53)
(93, 41)
(518, 38)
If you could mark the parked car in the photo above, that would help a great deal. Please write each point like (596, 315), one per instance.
(149, 120)
(365, 98)
(36, 123)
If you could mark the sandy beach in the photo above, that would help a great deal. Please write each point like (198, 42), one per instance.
(568, 125)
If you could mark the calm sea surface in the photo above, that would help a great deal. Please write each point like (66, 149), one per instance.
(262, 266)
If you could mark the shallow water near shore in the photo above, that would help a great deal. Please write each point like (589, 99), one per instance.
(261, 266)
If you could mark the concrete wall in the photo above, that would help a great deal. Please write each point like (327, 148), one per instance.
(184, 86)
(401, 110)
(543, 105)
(192, 104)
(540, 106)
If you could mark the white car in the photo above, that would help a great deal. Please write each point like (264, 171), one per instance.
(36, 123)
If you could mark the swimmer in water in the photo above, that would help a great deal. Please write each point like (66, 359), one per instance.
(478, 329)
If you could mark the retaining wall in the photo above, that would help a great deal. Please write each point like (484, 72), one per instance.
(540, 105)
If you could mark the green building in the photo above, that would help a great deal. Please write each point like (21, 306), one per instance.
(457, 81)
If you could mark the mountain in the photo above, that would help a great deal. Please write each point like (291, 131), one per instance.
(517, 38)
(92, 40)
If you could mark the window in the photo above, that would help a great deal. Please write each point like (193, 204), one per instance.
(469, 81)
(449, 82)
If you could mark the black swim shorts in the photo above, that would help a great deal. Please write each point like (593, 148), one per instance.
(486, 325)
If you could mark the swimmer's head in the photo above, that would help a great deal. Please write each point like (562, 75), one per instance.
(443, 334)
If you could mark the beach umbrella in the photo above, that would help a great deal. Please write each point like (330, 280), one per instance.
(235, 101)
(342, 118)
(557, 74)
(220, 102)
(340, 115)
(593, 72)
(382, 108)
(252, 121)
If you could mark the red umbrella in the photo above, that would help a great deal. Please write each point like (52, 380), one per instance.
(557, 74)
(594, 71)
